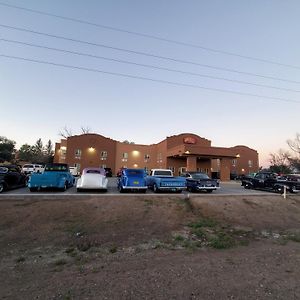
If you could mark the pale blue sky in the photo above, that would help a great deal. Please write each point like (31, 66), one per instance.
(38, 100)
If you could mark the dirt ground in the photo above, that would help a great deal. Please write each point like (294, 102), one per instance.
(150, 247)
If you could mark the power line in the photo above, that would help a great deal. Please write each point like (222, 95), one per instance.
(146, 54)
(146, 65)
(147, 78)
(151, 36)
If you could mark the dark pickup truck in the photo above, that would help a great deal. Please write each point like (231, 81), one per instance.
(272, 182)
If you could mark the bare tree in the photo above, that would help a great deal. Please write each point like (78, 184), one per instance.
(280, 159)
(295, 144)
(85, 129)
(65, 132)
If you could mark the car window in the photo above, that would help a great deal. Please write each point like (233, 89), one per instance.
(163, 173)
(3, 170)
(200, 176)
(135, 172)
(28, 166)
(56, 168)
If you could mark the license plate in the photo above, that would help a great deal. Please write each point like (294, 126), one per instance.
(136, 182)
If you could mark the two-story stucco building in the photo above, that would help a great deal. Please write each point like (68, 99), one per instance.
(183, 152)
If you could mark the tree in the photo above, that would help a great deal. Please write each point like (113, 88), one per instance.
(26, 153)
(280, 162)
(7, 149)
(65, 132)
(48, 152)
(295, 144)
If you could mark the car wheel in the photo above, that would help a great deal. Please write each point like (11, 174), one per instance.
(121, 190)
(1, 187)
(155, 188)
(189, 189)
(293, 189)
(143, 191)
(247, 186)
(279, 189)
(209, 191)
(33, 189)
(78, 190)
(65, 186)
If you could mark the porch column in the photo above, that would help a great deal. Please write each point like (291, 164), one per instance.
(191, 163)
(225, 169)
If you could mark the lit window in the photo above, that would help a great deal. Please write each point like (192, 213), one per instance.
(78, 153)
(103, 155)
(124, 156)
(234, 161)
(250, 163)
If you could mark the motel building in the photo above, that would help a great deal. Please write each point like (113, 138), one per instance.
(180, 153)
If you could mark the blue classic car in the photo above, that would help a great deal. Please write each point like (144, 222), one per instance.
(54, 176)
(132, 180)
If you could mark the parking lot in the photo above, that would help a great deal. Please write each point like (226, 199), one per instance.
(226, 188)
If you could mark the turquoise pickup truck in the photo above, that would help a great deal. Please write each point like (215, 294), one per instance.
(163, 180)
(55, 176)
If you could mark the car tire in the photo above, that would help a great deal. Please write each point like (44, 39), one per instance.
(1, 187)
(293, 189)
(155, 188)
(143, 191)
(190, 189)
(279, 189)
(33, 189)
(209, 191)
(65, 186)
(247, 186)
(121, 190)
(78, 190)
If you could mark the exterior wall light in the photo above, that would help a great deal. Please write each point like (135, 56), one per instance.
(187, 152)
(243, 170)
(135, 165)
(237, 156)
(91, 149)
(135, 153)
(63, 148)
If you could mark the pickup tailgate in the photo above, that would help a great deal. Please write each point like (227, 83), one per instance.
(49, 179)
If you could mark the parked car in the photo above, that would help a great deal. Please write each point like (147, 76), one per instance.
(54, 176)
(197, 181)
(11, 177)
(163, 180)
(32, 168)
(272, 182)
(132, 180)
(92, 178)
(108, 172)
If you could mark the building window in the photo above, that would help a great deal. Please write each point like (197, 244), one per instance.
(124, 156)
(159, 157)
(63, 152)
(234, 162)
(206, 170)
(103, 155)
(250, 163)
(76, 165)
(172, 169)
(146, 157)
(103, 166)
(78, 153)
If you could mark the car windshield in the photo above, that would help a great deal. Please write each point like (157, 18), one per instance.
(199, 176)
(56, 168)
(163, 173)
(93, 172)
(28, 166)
(3, 170)
(135, 172)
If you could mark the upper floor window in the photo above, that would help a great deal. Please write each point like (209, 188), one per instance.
(78, 153)
(234, 161)
(250, 163)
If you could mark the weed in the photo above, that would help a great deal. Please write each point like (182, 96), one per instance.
(204, 222)
(221, 241)
(178, 238)
(294, 237)
(113, 249)
(60, 262)
(199, 232)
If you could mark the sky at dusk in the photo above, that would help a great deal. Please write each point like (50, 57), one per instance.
(146, 104)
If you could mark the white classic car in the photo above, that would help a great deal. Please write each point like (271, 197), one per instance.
(92, 179)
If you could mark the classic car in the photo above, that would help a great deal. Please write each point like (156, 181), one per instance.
(196, 181)
(92, 179)
(163, 180)
(132, 180)
(11, 177)
(54, 176)
(272, 182)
